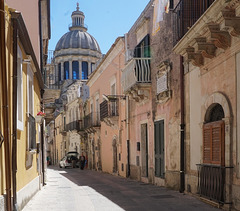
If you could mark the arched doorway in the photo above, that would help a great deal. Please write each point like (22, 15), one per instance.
(213, 136)
(114, 145)
(214, 176)
(93, 155)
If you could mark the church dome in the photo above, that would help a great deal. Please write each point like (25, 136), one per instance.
(77, 39)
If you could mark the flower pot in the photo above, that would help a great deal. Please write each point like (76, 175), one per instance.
(39, 119)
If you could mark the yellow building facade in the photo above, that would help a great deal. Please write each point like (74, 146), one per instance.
(21, 87)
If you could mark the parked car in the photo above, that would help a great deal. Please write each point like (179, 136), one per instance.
(67, 160)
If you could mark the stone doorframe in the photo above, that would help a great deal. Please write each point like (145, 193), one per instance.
(115, 154)
(212, 100)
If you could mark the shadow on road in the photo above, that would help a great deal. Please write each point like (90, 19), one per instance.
(133, 195)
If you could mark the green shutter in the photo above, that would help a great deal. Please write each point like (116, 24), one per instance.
(159, 148)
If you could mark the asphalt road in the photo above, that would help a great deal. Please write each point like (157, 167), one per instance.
(131, 195)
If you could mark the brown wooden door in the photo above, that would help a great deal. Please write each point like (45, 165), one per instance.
(213, 143)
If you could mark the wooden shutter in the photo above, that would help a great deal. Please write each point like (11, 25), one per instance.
(159, 148)
(213, 143)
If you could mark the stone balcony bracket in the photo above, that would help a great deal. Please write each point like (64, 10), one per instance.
(195, 58)
(206, 49)
(111, 122)
(221, 39)
(230, 22)
(139, 94)
(211, 34)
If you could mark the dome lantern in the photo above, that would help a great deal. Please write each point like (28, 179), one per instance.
(78, 20)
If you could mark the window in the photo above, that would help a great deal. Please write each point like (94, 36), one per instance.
(66, 70)
(159, 148)
(19, 91)
(213, 143)
(59, 72)
(84, 70)
(113, 104)
(30, 101)
(92, 66)
(75, 69)
(142, 50)
(213, 136)
(97, 110)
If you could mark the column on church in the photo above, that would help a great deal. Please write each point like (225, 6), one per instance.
(56, 74)
(62, 71)
(89, 68)
(70, 69)
(80, 69)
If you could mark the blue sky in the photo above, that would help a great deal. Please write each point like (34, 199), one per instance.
(106, 19)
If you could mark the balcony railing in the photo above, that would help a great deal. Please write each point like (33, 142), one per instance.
(211, 182)
(92, 120)
(109, 109)
(137, 71)
(186, 13)
(75, 125)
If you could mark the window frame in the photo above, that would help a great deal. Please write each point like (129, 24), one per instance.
(31, 136)
(19, 89)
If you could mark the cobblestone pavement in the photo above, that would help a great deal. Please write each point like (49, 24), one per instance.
(75, 189)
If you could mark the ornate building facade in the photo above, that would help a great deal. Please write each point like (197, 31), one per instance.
(74, 59)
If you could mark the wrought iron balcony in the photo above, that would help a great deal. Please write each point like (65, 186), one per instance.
(109, 109)
(92, 120)
(75, 125)
(136, 72)
(186, 13)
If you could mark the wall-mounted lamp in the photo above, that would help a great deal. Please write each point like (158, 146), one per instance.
(26, 61)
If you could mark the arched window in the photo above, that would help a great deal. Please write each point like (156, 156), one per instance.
(75, 69)
(215, 113)
(84, 70)
(59, 72)
(66, 70)
(213, 135)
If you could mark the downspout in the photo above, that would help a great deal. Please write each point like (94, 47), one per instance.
(128, 136)
(14, 117)
(42, 91)
(4, 87)
(182, 132)
(42, 143)
(127, 110)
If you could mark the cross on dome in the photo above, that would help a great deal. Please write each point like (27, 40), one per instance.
(77, 6)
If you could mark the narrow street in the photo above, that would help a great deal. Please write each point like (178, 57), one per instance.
(74, 189)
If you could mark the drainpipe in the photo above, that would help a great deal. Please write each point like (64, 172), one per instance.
(128, 136)
(42, 143)
(182, 133)
(42, 91)
(14, 117)
(4, 87)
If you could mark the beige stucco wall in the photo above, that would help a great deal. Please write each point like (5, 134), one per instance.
(59, 138)
(238, 112)
(215, 82)
(195, 102)
(29, 10)
(109, 71)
